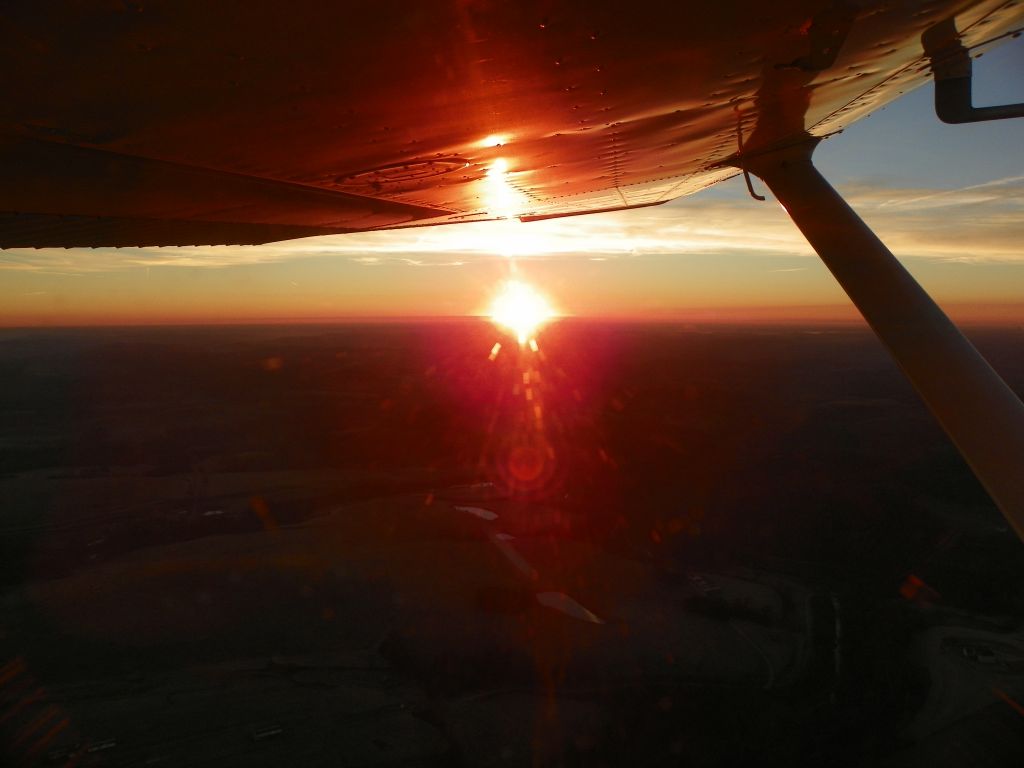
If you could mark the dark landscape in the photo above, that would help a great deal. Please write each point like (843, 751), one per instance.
(400, 544)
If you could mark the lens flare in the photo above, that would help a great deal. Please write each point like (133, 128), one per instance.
(520, 309)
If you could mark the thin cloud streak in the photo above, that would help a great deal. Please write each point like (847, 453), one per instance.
(969, 195)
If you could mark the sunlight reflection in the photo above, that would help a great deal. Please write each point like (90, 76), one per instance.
(493, 140)
(500, 197)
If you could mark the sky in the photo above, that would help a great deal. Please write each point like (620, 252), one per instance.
(948, 200)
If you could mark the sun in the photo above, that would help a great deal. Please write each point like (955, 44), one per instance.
(520, 309)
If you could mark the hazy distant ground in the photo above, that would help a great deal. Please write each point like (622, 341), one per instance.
(801, 443)
(795, 451)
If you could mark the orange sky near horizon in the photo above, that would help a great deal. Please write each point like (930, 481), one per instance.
(672, 288)
(717, 256)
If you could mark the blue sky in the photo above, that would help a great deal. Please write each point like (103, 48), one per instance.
(904, 143)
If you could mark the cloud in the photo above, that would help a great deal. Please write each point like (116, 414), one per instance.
(976, 223)
(1009, 190)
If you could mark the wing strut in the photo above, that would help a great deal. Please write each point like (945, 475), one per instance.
(979, 412)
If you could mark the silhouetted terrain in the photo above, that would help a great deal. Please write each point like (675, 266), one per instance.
(636, 544)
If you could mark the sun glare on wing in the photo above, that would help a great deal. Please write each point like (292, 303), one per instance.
(502, 199)
(520, 309)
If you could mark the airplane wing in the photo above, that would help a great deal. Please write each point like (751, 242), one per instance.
(146, 122)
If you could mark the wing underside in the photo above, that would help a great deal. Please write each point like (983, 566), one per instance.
(189, 124)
